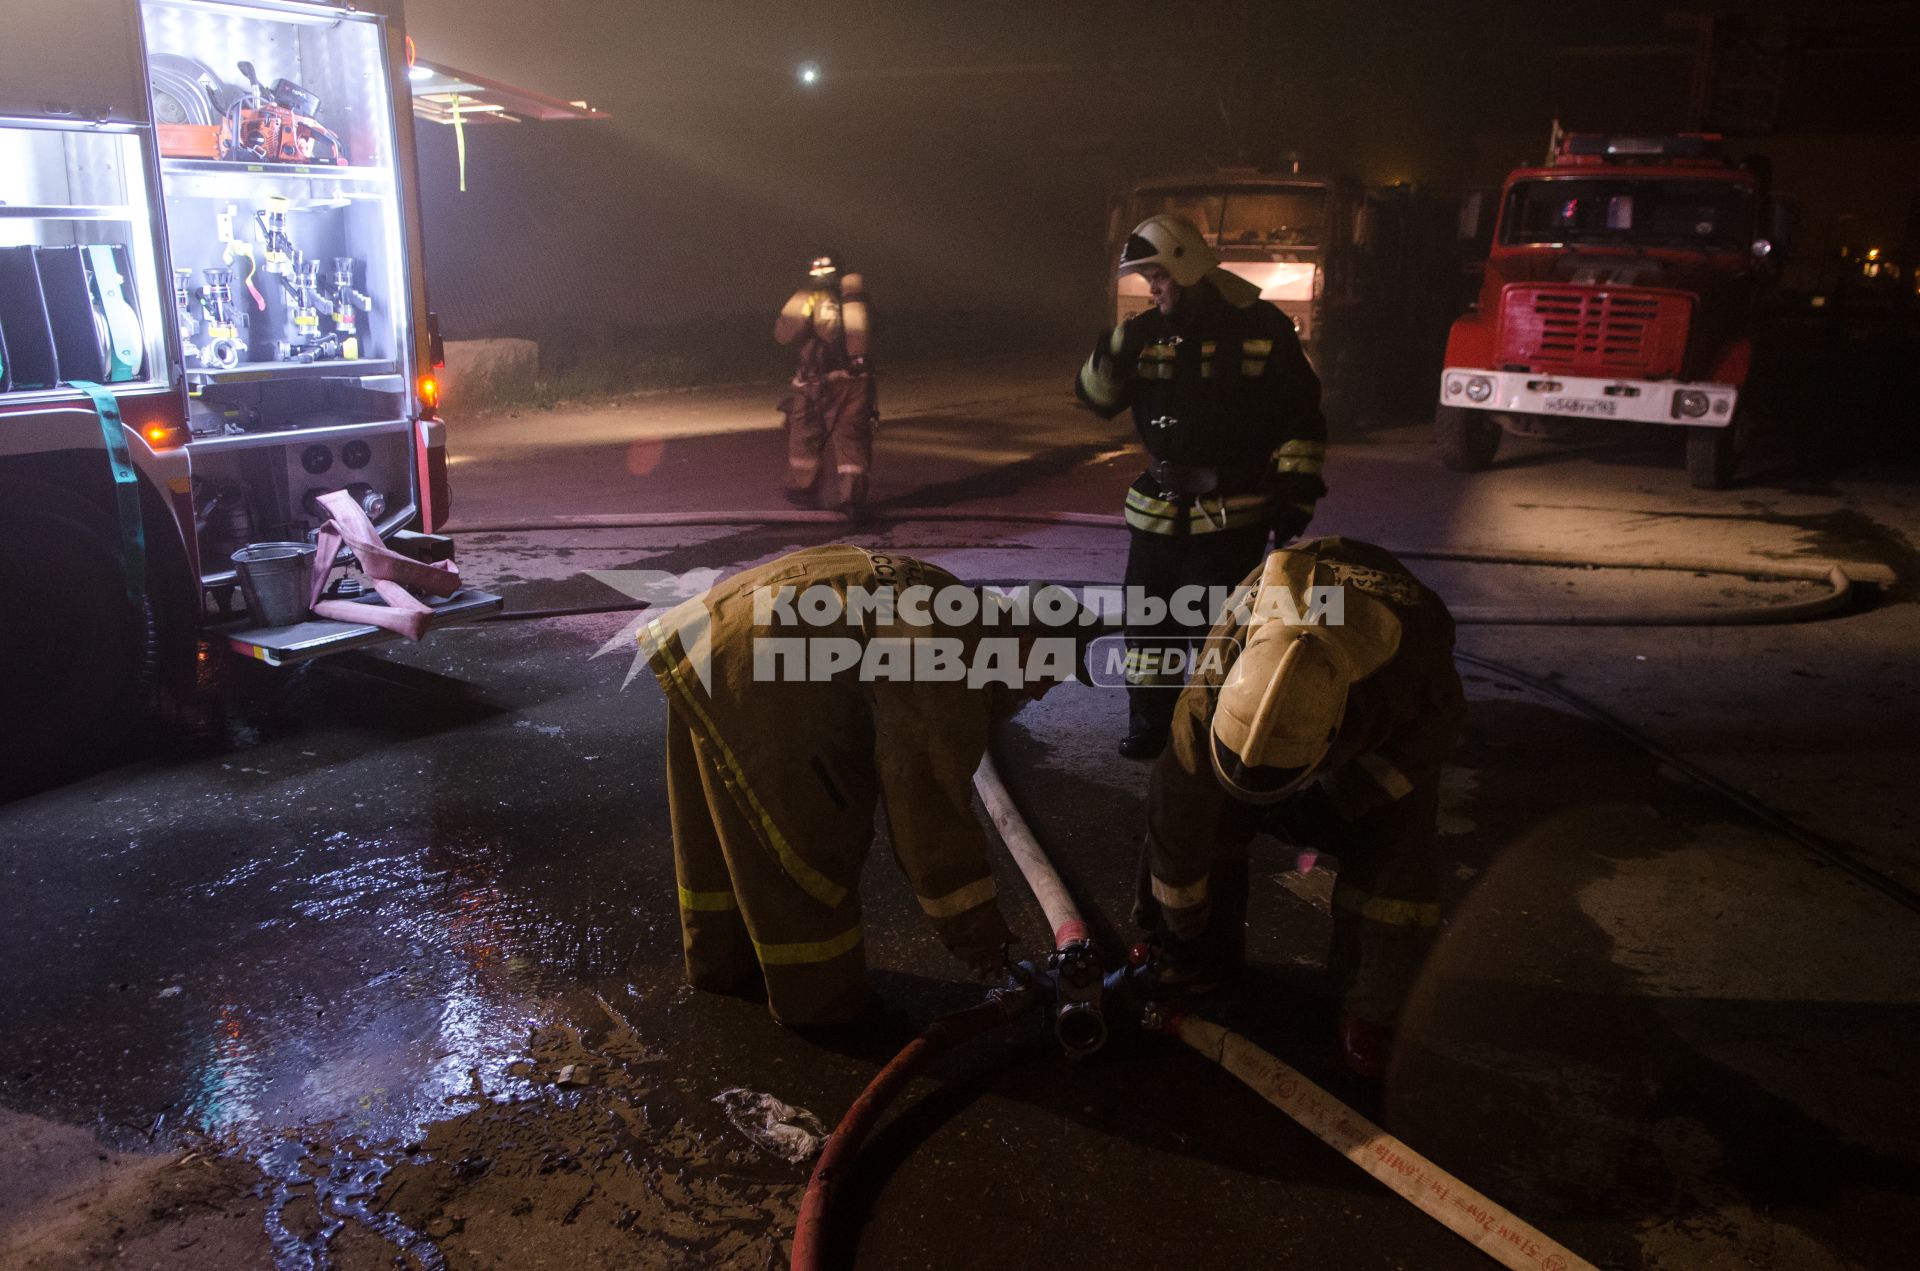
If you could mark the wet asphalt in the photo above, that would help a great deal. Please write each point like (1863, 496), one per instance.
(355, 920)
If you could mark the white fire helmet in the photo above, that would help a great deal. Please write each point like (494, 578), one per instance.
(1284, 699)
(1172, 243)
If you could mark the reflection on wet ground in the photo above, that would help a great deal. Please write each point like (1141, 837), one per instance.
(343, 933)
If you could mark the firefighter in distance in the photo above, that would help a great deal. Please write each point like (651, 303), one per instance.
(834, 408)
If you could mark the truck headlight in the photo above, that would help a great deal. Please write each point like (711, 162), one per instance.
(1479, 388)
(1690, 402)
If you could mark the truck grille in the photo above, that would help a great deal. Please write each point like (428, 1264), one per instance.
(1590, 330)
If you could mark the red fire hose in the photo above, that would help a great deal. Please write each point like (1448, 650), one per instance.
(843, 1148)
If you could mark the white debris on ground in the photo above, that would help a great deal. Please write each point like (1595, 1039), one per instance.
(790, 1133)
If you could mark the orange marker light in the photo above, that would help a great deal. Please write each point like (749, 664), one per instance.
(429, 394)
(161, 436)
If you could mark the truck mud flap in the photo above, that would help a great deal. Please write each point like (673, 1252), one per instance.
(303, 641)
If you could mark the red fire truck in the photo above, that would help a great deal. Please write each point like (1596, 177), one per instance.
(212, 313)
(1621, 288)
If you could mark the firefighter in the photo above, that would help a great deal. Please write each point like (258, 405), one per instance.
(834, 408)
(773, 778)
(1229, 413)
(1323, 719)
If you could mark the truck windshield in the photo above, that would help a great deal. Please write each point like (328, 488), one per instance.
(1271, 216)
(1639, 213)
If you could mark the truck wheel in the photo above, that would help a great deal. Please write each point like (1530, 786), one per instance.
(1468, 438)
(1710, 457)
(75, 652)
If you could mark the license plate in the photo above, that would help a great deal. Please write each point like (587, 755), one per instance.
(1579, 406)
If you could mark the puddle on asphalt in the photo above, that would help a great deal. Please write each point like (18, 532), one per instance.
(385, 987)
(409, 1075)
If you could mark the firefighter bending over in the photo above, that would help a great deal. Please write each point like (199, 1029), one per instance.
(834, 408)
(1229, 412)
(794, 706)
(1330, 736)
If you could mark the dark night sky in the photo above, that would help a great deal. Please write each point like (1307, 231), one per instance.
(963, 153)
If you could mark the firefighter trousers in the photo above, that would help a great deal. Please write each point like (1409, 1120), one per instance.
(1386, 911)
(830, 425)
(1386, 893)
(1159, 565)
(744, 923)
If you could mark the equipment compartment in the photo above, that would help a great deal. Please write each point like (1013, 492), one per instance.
(78, 299)
(277, 165)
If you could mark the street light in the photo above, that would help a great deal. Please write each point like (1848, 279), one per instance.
(808, 74)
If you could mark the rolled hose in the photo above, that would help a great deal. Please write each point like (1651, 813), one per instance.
(843, 1146)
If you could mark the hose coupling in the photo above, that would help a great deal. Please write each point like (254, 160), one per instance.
(1079, 1016)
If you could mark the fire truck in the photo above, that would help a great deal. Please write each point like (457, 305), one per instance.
(212, 314)
(1621, 288)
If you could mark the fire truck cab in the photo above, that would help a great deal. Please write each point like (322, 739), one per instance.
(1620, 288)
(212, 313)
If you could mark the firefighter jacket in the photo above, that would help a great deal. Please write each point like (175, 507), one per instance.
(1400, 724)
(807, 760)
(829, 321)
(1227, 408)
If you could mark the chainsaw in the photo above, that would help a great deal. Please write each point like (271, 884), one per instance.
(277, 125)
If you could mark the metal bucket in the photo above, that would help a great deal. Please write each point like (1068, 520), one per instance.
(276, 578)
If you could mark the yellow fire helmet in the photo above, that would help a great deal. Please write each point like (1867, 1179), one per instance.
(1177, 246)
(1172, 243)
(1282, 703)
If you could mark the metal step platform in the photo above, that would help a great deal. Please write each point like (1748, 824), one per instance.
(303, 641)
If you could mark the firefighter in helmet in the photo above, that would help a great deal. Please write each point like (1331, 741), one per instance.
(783, 736)
(1320, 713)
(1229, 413)
(834, 409)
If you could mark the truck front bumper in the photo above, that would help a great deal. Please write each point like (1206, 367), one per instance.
(1695, 405)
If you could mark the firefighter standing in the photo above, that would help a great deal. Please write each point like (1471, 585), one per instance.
(1330, 737)
(773, 781)
(1229, 412)
(834, 408)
